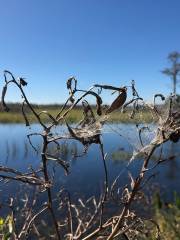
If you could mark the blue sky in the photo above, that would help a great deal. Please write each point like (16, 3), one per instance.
(97, 41)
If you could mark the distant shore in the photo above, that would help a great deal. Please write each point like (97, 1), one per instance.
(15, 115)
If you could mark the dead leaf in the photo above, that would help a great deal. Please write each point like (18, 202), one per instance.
(118, 102)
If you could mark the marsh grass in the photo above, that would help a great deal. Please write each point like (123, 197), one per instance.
(167, 216)
(76, 115)
(16, 117)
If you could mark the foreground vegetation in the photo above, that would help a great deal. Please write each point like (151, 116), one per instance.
(165, 222)
(92, 218)
(167, 218)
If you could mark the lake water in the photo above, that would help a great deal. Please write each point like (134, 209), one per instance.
(86, 173)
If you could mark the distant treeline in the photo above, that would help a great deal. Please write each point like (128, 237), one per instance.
(16, 107)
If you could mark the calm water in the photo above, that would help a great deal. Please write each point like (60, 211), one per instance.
(86, 173)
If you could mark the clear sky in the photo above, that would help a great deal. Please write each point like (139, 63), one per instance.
(97, 41)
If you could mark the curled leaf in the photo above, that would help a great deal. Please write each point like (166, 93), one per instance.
(99, 111)
(118, 102)
(22, 82)
(98, 101)
(71, 88)
(134, 92)
(140, 131)
(88, 115)
(129, 102)
(159, 95)
(69, 84)
(86, 107)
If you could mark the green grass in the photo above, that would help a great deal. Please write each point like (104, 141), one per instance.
(167, 217)
(75, 116)
(164, 224)
(17, 117)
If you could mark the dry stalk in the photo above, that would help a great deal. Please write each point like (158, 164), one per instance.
(80, 222)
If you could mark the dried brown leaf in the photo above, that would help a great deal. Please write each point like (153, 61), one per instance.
(98, 101)
(22, 82)
(118, 102)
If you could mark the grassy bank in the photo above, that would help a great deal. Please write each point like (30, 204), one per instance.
(15, 116)
(166, 217)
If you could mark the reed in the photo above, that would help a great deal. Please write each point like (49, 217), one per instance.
(76, 116)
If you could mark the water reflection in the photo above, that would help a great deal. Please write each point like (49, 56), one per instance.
(86, 173)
